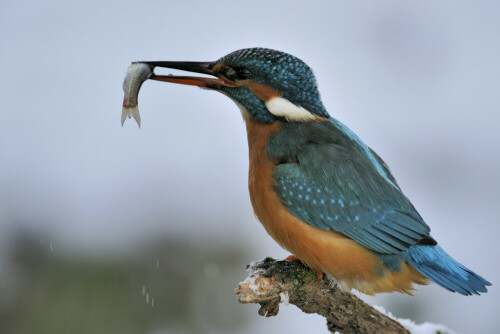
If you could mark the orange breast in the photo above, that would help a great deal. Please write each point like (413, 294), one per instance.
(353, 265)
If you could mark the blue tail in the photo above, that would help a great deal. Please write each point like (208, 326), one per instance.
(435, 264)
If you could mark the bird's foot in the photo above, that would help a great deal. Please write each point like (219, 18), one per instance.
(319, 274)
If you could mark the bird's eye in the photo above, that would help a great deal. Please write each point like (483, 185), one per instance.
(244, 73)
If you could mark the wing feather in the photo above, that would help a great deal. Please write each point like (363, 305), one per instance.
(333, 189)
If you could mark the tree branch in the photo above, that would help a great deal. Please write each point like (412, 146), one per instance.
(271, 282)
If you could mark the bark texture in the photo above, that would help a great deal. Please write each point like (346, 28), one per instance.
(272, 282)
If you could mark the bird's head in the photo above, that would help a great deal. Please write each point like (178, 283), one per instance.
(266, 84)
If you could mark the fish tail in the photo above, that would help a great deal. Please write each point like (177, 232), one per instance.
(131, 112)
(434, 263)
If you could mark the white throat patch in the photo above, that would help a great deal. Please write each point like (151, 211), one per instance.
(281, 107)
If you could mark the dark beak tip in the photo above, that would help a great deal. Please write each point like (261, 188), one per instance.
(189, 66)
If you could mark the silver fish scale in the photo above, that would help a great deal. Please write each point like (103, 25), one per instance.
(137, 73)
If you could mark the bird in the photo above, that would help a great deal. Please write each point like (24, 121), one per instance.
(319, 191)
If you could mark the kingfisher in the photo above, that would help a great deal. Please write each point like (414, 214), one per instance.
(317, 189)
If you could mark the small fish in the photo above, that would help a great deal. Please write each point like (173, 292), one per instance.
(137, 73)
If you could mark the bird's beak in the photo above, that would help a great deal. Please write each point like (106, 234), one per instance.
(190, 66)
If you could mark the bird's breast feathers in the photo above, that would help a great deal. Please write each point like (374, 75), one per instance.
(325, 250)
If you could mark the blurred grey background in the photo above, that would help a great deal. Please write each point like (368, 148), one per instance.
(105, 229)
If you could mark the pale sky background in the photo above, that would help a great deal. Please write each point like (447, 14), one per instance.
(418, 81)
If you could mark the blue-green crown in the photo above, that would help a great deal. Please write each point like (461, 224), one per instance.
(283, 72)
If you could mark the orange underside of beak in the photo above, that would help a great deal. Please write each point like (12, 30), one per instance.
(194, 81)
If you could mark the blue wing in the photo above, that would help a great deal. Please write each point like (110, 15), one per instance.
(342, 186)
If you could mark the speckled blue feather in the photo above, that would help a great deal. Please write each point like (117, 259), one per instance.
(338, 184)
(332, 180)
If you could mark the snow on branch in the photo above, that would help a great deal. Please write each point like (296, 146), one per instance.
(272, 282)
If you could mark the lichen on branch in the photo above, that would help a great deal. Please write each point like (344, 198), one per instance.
(271, 282)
